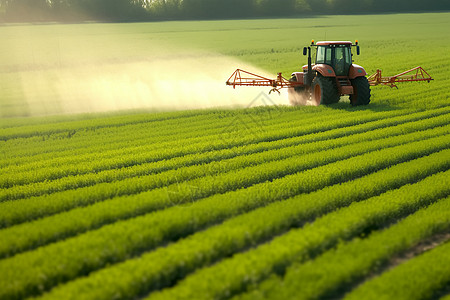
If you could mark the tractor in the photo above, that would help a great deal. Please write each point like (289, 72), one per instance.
(332, 75)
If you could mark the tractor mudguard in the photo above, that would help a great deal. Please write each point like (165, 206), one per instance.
(324, 70)
(299, 76)
(356, 71)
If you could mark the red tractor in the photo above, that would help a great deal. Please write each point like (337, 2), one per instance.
(331, 76)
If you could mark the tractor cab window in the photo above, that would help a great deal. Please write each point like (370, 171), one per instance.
(343, 60)
(323, 55)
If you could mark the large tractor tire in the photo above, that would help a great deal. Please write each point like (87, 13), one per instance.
(361, 91)
(324, 91)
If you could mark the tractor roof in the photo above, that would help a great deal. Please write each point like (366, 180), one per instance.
(327, 43)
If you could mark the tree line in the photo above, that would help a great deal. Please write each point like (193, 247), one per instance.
(148, 10)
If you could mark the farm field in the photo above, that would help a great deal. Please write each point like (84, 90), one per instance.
(220, 200)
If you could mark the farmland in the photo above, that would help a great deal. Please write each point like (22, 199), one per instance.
(264, 202)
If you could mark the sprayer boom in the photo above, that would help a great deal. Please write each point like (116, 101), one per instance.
(331, 76)
(415, 74)
(244, 78)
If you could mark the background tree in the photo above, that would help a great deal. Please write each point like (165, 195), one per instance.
(302, 7)
(31, 10)
(216, 9)
(164, 9)
(138, 10)
(275, 7)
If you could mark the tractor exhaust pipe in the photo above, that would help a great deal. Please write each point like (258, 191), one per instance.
(309, 73)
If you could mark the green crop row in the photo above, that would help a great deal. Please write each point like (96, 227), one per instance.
(422, 277)
(143, 139)
(160, 268)
(273, 115)
(62, 168)
(170, 150)
(11, 131)
(246, 121)
(105, 139)
(142, 134)
(108, 139)
(25, 274)
(165, 130)
(286, 161)
(371, 133)
(324, 276)
(118, 158)
(241, 121)
(211, 203)
(249, 268)
(219, 177)
(97, 154)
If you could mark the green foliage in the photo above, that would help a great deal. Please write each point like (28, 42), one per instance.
(238, 233)
(115, 242)
(221, 177)
(128, 10)
(21, 181)
(273, 45)
(410, 280)
(217, 203)
(349, 262)
(299, 245)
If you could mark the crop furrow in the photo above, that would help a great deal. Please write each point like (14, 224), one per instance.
(119, 241)
(247, 119)
(226, 175)
(162, 267)
(351, 262)
(114, 139)
(268, 119)
(26, 131)
(298, 245)
(126, 156)
(179, 149)
(423, 277)
(372, 129)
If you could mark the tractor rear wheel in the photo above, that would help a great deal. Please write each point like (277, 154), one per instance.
(361, 91)
(324, 91)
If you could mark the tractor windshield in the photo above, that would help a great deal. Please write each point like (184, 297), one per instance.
(337, 56)
(323, 55)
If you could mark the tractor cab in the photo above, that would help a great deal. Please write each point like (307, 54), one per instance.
(335, 58)
(333, 74)
(338, 55)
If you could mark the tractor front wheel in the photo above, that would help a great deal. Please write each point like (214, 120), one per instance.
(361, 91)
(323, 91)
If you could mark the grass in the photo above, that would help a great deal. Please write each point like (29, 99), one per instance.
(219, 202)
(51, 51)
